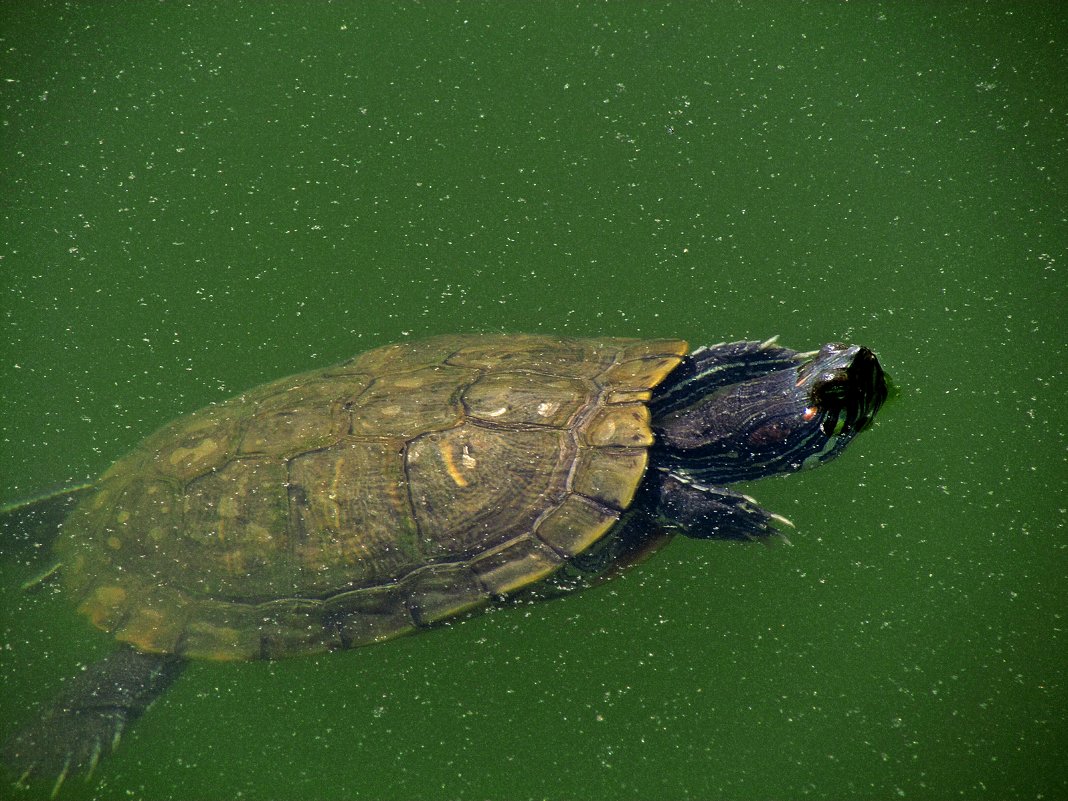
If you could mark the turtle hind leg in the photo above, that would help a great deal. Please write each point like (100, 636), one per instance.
(34, 523)
(85, 722)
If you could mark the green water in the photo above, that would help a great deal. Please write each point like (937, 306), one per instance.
(198, 198)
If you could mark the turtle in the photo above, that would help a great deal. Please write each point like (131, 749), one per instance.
(413, 485)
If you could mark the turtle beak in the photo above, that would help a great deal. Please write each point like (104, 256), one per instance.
(848, 387)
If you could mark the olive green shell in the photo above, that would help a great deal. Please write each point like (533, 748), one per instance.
(351, 504)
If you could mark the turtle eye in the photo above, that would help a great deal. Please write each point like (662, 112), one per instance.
(833, 384)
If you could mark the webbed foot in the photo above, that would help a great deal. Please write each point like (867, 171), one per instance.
(84, 724)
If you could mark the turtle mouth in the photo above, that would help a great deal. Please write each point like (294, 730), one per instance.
(846, 389)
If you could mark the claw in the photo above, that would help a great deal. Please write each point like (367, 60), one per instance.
(119, 726)
(25, 775)
(62, 777)
(93, 760)
(784, 521)
(40, 579)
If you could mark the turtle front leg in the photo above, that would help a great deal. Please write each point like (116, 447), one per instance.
(706, 512)
(86, 721)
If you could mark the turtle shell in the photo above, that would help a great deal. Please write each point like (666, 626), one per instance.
(355, 503)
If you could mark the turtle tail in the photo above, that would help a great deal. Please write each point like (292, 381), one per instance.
(86, 721)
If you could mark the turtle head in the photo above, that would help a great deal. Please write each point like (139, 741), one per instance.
(793, 415)
(843, 387)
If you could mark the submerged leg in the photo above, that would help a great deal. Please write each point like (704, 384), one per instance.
(706, 512)
(87, 719)
(28, 526)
